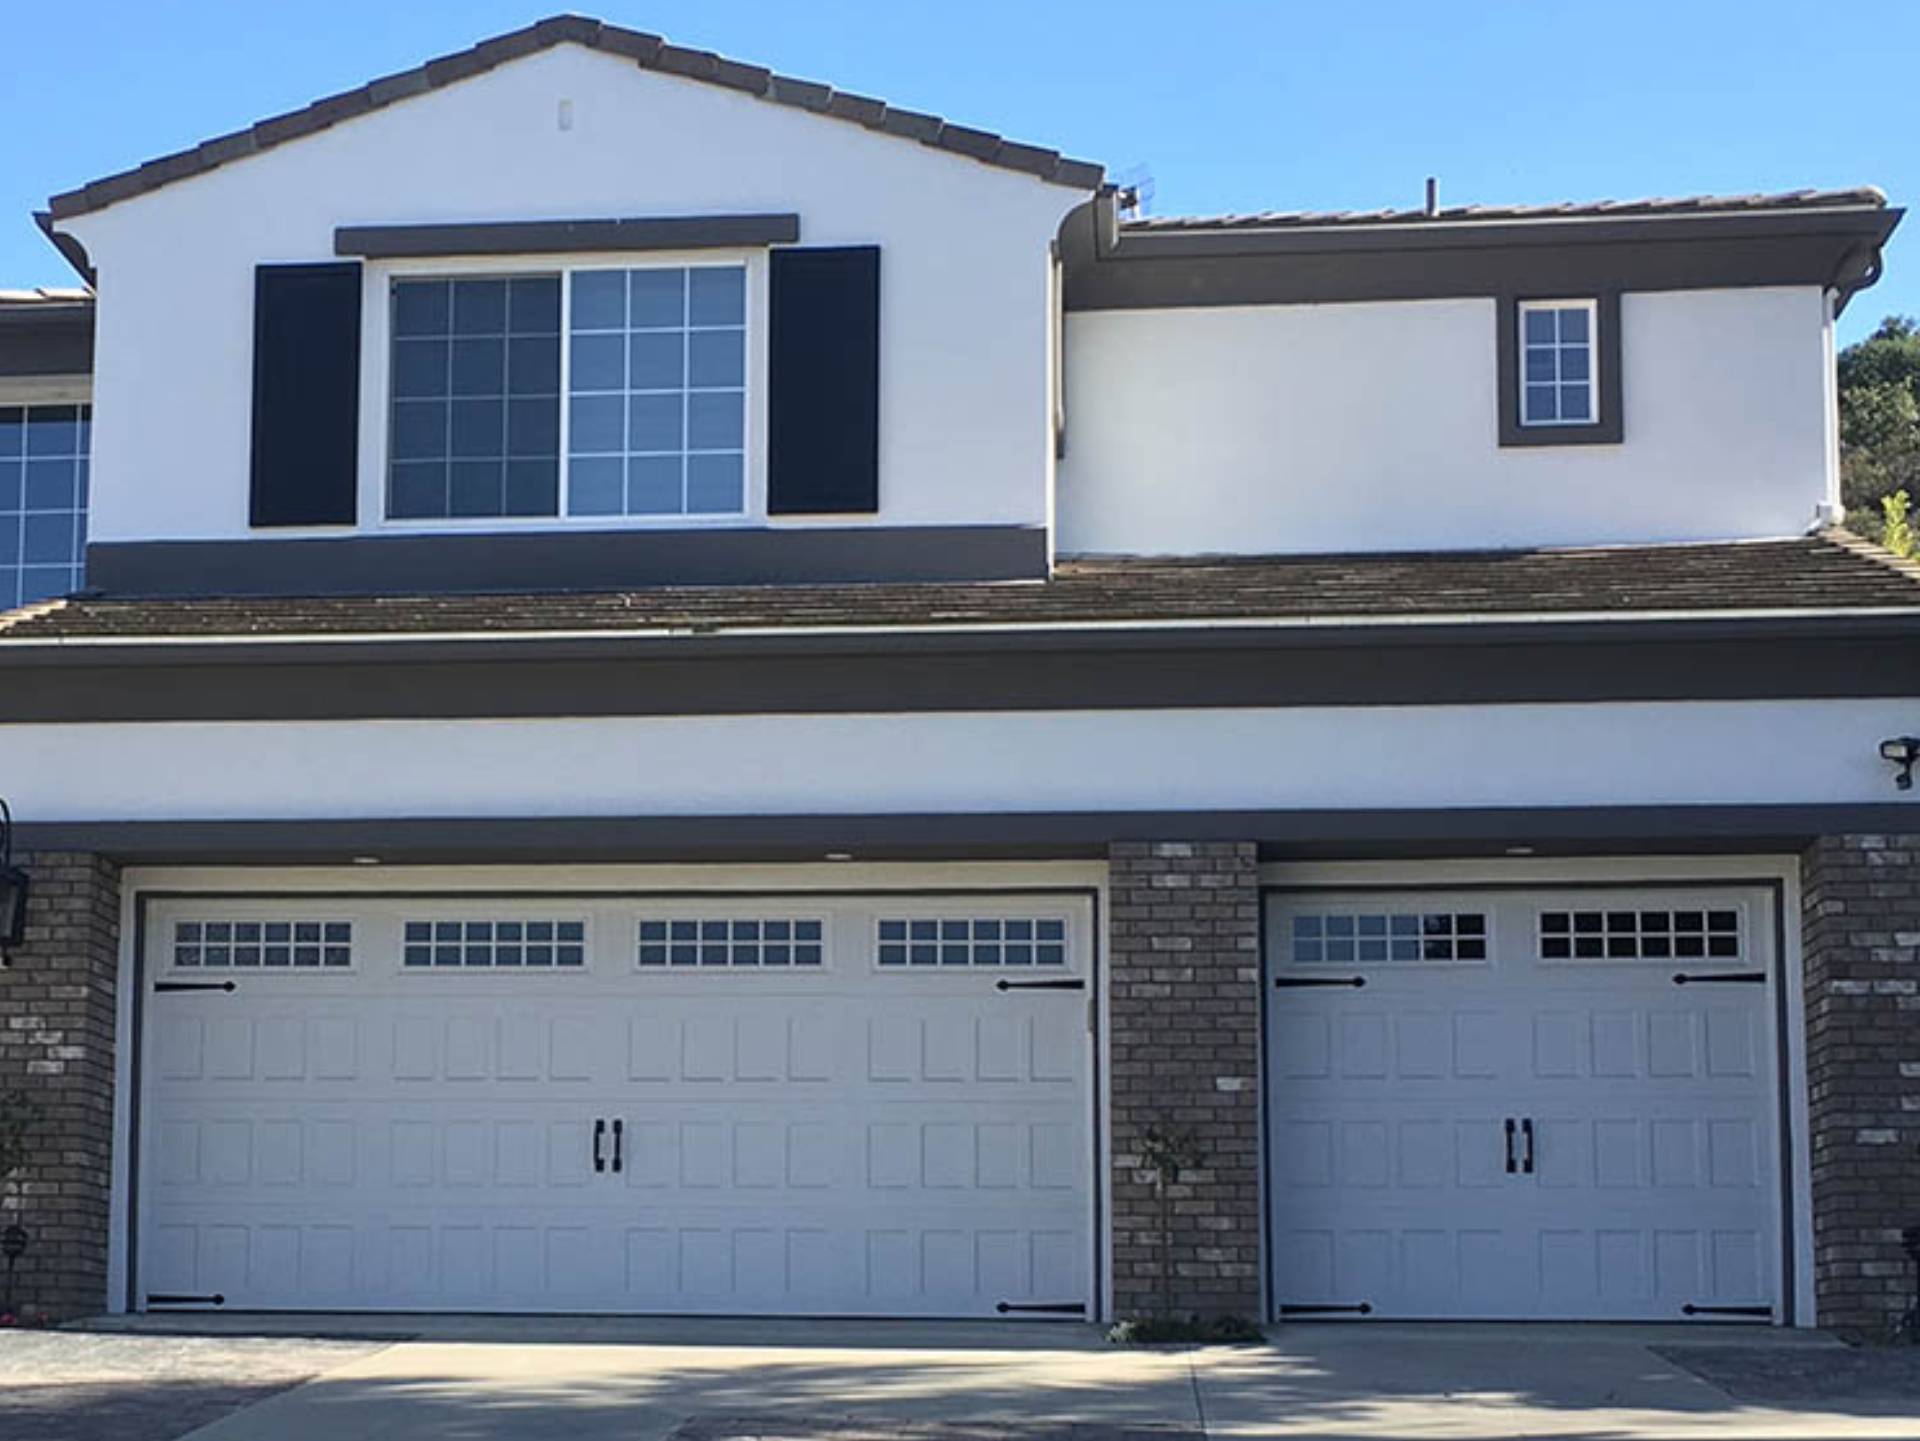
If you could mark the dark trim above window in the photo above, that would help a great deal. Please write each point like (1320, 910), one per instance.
(1608, 429)
(556, 237)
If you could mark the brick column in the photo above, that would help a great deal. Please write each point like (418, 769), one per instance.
(1861, 918)
(1184, 1029)
(56, 1045)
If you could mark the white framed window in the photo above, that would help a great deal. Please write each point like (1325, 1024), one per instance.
(1558, 346)
(43, 501)
(583, 391)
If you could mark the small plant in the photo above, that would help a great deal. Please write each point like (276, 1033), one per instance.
(19, 1118)
(1896, 525)
(1198, 1330)
(1168, 1152)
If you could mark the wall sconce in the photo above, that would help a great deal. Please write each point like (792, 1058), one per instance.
(1903, 751)
(13, 891)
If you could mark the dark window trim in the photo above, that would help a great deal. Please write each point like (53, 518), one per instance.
(542, 237)
(1609, 428)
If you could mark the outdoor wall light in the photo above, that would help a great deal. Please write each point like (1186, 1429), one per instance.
(1903, 751)
(13, 891)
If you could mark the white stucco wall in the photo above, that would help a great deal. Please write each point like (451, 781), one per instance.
(1378, 757)
(965, 435)
(1373, 426)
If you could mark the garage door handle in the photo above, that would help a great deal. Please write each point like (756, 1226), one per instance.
(1512, 1165)
(1039, 985)
(618, 1127)
(1722, 978)
(599, 1134)
(1526, 1135)
(1288, 982)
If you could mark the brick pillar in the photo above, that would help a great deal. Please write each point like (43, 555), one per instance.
(1861, 918)
(1185, 1034)
(56, 1045)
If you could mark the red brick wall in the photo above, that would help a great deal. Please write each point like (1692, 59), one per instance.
(56, 1043)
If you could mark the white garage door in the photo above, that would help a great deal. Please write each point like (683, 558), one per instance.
(1517, 1105)
(800, 1105)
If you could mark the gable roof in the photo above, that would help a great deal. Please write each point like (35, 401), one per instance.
(1827, 574)
(1863, 197)
(649, 52)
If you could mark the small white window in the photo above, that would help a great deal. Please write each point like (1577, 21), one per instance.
(1329, 938)
(1557, 362)
(761, 943)
(495, 945)
(961, 941)
(311, 944)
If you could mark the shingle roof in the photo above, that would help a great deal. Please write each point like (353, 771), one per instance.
(41, 296)
(1828, 572)
(649, 52)
(1858, 198)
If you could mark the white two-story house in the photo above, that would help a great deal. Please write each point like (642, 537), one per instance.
(635, 685)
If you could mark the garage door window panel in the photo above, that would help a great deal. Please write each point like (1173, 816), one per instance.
(256, 945)
(1337, 938)
(1681, 933)
(736, 943)
(953, 942)
(494, 945)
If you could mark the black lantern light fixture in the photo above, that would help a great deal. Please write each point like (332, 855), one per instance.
(1904, 752)
(13, 890)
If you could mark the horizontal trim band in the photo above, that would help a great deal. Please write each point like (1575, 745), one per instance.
(1302, 834)
(455, 564)
(901, 674)
(541, 237)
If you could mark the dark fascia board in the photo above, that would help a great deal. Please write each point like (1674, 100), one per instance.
(52, 340)
(903, 673)
(452, 564)
(1280, 834)
(70, 248)
(648, 52)
(1109, 268)
(541, 237)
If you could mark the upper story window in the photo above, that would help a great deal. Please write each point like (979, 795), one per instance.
(1556, 349)
(591, 392)
(43, 501)
(1559, 370)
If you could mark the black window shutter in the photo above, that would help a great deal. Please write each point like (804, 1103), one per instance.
(306, 394)
(823, 378)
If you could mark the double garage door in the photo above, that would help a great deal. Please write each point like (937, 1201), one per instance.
(1507, 1104)
(803, 1105)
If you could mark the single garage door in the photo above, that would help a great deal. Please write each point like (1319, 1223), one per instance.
(1523, 1104)
(793, 1104)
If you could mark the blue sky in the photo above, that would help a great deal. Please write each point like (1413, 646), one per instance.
(1227, 104)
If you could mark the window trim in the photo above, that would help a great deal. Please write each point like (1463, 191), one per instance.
(1607, 427)
(377, 398)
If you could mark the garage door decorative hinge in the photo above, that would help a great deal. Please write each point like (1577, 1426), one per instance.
(1763, 1312)
(1288, 982)
(170, 1298)
(1075, 985)
(1720, 978)
(1359, 1308)
(1043, 1308)
(163, 987)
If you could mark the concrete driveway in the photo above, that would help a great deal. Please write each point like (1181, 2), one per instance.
(476, 1379)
